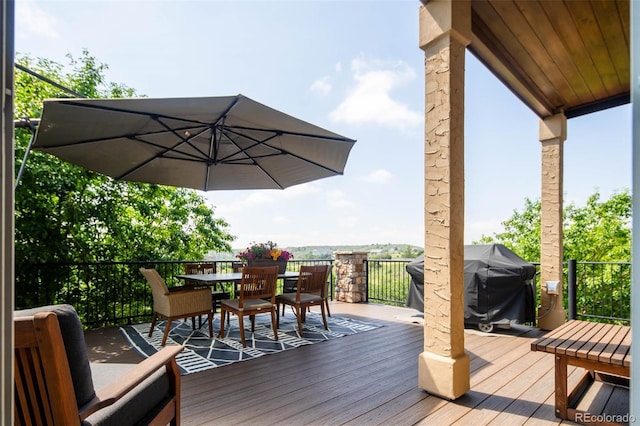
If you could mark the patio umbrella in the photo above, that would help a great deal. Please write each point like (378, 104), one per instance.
(208, 143)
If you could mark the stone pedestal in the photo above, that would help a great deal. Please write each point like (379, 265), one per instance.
(351, 276)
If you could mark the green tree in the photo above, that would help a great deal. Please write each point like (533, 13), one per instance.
(598, 232)
(65, 213)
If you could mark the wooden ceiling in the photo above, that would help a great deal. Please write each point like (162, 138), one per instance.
(556, 55)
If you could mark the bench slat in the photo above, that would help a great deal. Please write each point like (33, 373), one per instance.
(615, 352)
(548, 342)
(607, 343)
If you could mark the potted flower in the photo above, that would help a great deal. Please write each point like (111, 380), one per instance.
(265, 254)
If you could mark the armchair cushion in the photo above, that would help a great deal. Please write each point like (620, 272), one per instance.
(74, 344)
(138, 406)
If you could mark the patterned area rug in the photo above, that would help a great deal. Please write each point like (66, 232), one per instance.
(202, 353)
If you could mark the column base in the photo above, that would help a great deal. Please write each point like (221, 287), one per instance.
(550, 320)
(445, 377)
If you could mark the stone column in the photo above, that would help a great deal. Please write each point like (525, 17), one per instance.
(552, 134)
(445, 28)
(351, 276)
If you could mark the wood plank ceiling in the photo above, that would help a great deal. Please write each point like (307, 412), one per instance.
(556, 55)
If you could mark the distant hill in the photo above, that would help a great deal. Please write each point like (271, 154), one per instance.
(379, 251)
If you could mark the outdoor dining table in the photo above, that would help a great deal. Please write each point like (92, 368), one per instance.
(234, 277)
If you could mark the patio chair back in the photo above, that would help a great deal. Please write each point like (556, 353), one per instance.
(258, 283)
(314, 280)
(200, 268)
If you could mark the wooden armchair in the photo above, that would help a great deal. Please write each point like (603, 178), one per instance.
(54, 386)
(311, 290)
(187, 303)
(256, 296)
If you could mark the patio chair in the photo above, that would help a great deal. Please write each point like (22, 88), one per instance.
(311, 290)
(205, 268)
(290, 285)
(256, 296)
(183, 303)
(54, 385)
(199, 268)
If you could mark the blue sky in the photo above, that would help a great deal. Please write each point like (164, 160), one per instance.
(353, 67)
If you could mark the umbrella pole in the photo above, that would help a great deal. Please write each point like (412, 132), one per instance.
(32, 126)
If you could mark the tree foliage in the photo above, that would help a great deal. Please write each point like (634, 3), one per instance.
(598, 232)
(598, 236)
(65, 213)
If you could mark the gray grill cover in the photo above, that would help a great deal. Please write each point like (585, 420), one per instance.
(498, 285)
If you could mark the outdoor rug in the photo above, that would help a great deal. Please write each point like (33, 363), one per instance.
(202, 353)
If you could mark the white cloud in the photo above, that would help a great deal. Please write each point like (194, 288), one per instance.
(348, 222)
(229, 206)
(378, 176)
(321, 86)
(302, 189)
(281, 219)
(370, 100)
(337, 198)
(31, 19)
(228, 203)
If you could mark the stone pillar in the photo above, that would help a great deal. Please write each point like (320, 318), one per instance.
(351, 276)
(552, 134)
(443, 367)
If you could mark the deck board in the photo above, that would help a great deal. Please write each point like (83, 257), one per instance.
(370, 378)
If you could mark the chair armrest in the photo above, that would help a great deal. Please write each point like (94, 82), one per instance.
(180, 288)
(112, 392)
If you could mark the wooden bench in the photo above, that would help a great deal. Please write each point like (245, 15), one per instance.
(604, 350)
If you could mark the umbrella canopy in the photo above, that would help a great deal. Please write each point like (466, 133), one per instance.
(213, 143)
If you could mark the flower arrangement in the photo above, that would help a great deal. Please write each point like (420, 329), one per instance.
(268, 250)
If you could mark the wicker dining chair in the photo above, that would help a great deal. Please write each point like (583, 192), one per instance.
(311, 290)
(186, 303)
(257, 295)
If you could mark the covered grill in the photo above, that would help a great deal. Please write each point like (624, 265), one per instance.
(498, 287)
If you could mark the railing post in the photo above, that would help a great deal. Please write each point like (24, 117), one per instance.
(366, 279)
(571, 287)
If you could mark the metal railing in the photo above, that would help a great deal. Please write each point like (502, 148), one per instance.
(388, 281)
(115, 293)
(108, 293)
(597, 291)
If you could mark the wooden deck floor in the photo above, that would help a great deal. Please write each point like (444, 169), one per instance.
(367, 379)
